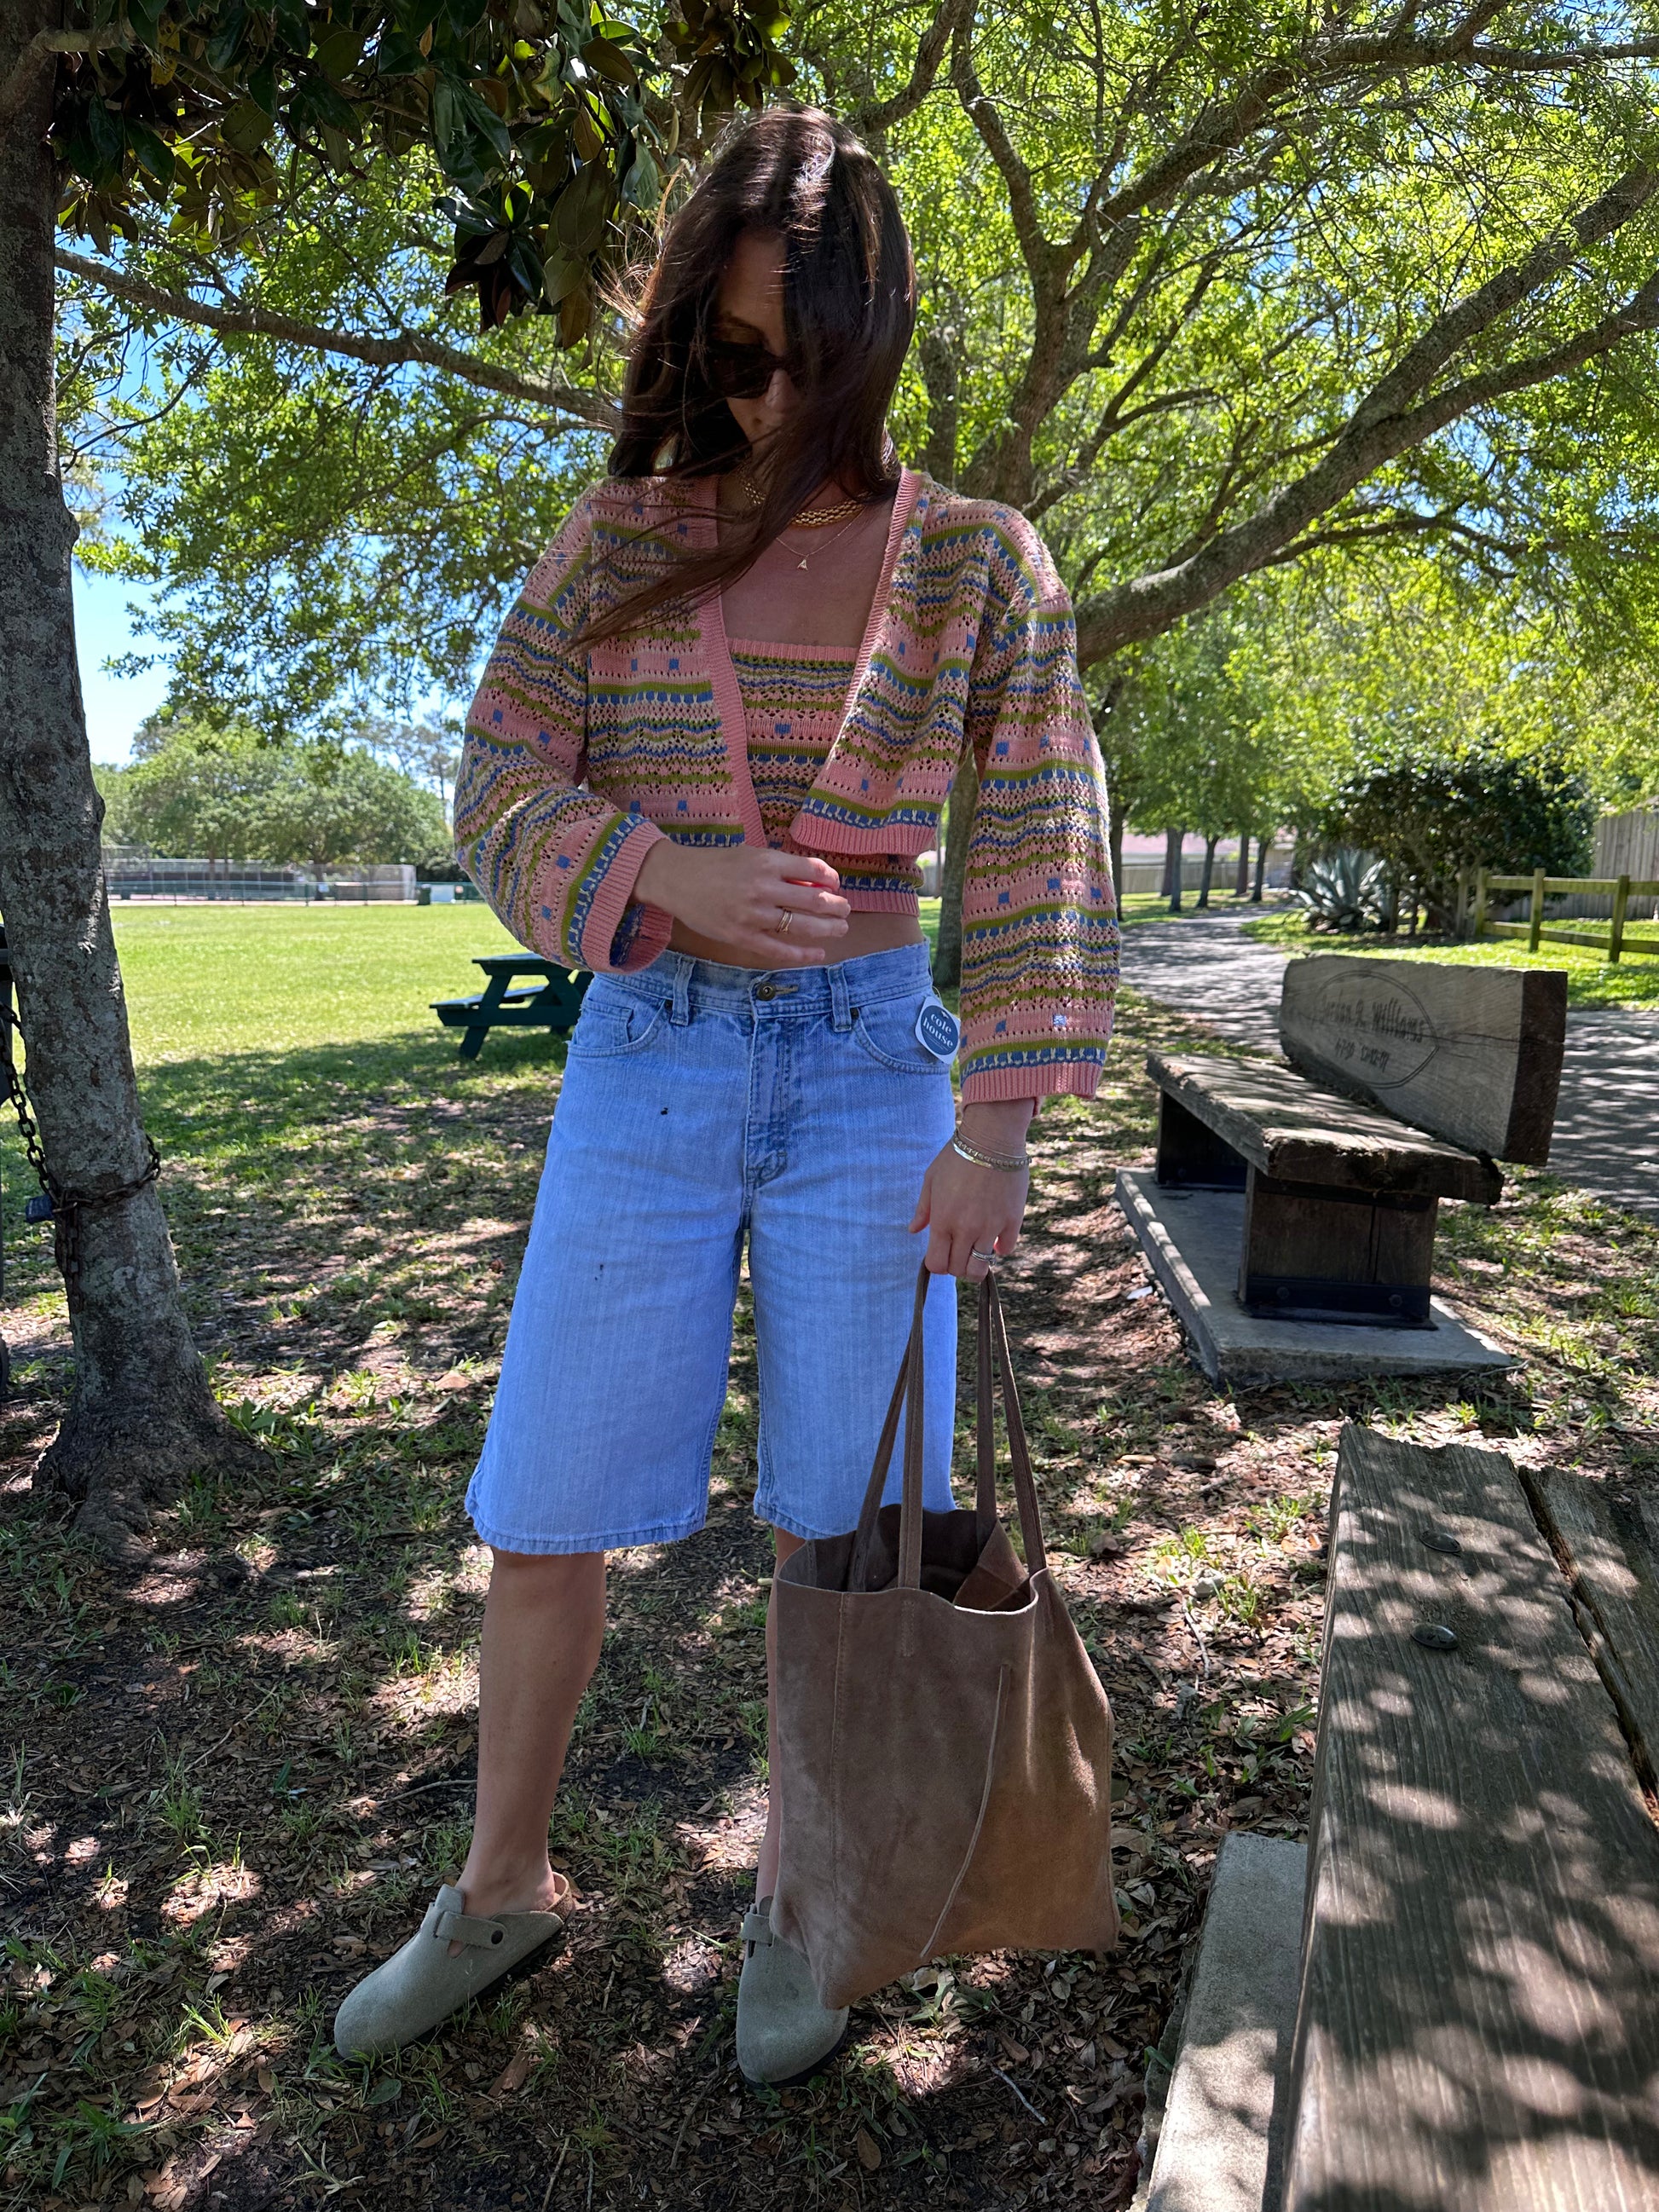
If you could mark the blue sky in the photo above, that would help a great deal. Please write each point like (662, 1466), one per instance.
(115, 704)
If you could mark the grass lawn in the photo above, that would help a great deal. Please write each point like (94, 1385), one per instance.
(237, 1771)
(1591, 980)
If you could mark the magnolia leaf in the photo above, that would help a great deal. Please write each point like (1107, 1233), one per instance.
(245, 127)
(609, 60)
(579, 218)
(155, 154)
(574, 314)
(590, 142)
(340, 53)
(226, 43)
(642, 185)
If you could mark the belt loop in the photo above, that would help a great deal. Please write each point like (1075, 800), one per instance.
(681, 1011)
(841, 1007)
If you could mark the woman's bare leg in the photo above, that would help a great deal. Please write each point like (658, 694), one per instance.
(543, 1623)
(766, 1874)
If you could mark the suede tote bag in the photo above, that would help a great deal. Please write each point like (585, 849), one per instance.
(944, 1745)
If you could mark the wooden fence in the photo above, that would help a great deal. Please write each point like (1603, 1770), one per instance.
(1537, 931)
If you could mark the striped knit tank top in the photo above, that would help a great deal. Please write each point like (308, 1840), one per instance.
(794, 697)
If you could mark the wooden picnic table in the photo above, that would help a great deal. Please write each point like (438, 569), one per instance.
(552, 1003)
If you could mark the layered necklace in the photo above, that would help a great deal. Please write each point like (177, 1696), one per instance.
(845, 511)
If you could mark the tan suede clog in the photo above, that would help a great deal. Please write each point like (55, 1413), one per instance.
(422, 1984)
(784, 2034)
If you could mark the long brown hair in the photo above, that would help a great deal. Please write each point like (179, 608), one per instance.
(849, 308)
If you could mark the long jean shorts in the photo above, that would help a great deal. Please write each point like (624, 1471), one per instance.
(704, 1105)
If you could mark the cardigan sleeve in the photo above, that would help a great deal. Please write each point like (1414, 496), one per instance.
(557, 862)
(1039, 918)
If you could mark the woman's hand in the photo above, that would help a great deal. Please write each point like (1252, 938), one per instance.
(962, 1205)
(737, 895)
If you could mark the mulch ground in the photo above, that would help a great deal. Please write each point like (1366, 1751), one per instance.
(236, 1772)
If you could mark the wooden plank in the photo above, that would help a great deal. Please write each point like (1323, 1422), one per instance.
(1472, 1055)
(1290, 1128)
(1191, 1154)
(1347, 1256)
(1609, 1546)
(1477, 2029)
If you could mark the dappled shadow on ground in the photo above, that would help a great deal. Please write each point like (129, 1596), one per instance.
(242, 1768)
(1607, 1121)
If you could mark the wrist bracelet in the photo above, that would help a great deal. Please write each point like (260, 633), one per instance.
(963, 1150)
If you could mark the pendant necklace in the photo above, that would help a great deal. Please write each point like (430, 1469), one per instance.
(836, 540)
(810, 518)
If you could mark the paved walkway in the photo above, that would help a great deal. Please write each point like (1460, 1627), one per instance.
(1607, 1124)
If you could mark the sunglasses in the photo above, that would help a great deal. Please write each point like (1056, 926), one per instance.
(744, 371)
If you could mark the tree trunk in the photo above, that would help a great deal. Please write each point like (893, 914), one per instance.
(1210, 844)
(964, 797)
(1114, 847)
(1263, 846)
(1242, 880)
(1175, 846)
(141, 1416)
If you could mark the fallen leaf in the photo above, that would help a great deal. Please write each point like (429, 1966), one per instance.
(514, 2075)
(267, 2079)
(868, 2148)
(1017, 2051)
(454, 1380)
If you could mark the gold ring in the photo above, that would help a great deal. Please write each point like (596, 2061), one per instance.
(786, 915)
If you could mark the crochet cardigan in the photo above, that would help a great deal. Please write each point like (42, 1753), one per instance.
(578, 759)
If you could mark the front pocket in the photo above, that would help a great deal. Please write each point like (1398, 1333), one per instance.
(612, 1023)
(887, 1032)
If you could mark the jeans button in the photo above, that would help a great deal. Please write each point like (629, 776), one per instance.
(766, 990)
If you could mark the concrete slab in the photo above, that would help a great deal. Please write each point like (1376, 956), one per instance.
(1192, 1240)
(1219, 2148)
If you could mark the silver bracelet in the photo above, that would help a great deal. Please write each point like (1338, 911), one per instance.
(963, 1150)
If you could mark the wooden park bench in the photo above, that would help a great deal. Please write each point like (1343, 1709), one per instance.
(551, 1003)
(1460, 2009)
(1305, 1191)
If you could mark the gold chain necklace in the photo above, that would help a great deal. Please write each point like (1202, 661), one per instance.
(810, 518)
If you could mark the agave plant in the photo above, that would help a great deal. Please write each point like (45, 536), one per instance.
(1346, 890)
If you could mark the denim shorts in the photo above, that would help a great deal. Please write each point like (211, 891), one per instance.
(701, 1106)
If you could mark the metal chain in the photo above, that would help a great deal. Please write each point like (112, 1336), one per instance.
(65, 1206)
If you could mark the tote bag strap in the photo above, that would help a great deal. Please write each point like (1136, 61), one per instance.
(910, 1373)
(909, 1395)
(993, 1326)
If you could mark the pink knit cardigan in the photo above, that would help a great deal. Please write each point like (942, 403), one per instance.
(578, 759)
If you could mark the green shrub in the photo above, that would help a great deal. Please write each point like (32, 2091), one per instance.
(1427, 819)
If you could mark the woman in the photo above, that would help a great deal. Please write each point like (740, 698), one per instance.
(720, 724)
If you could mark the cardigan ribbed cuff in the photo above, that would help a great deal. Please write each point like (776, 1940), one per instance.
(650, 936)
(1070, 1078)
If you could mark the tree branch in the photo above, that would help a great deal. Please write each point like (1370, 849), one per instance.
(1386, 424)
(407, 349)
(984, 114)
(874, 117)
(45, 46)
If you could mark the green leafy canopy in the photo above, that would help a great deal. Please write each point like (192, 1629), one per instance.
(551, 121)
